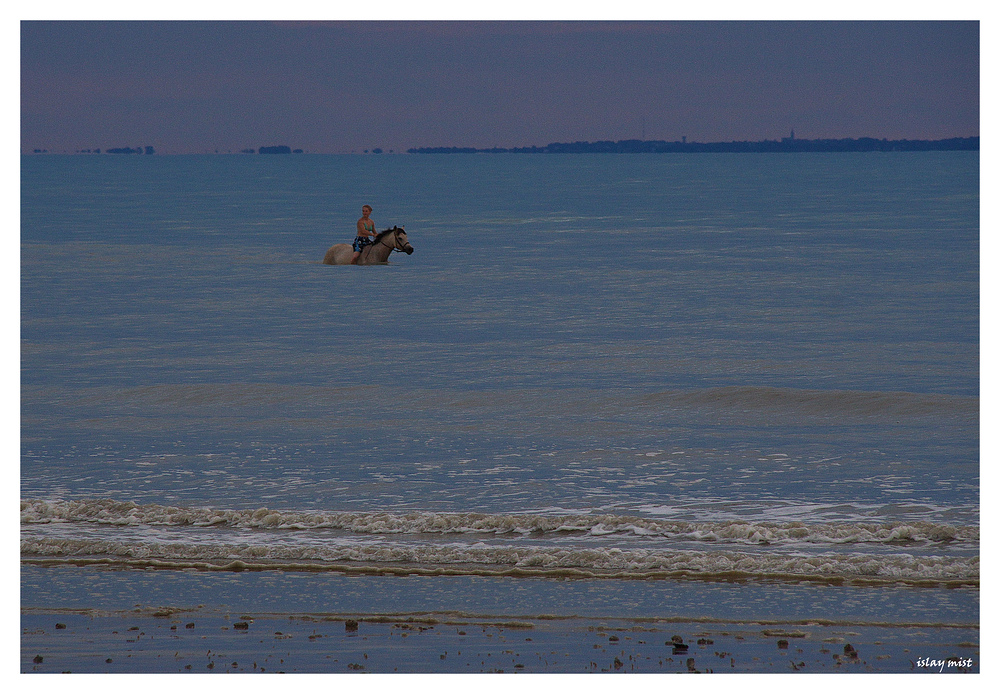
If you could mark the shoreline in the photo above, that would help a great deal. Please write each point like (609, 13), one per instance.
(154, 641)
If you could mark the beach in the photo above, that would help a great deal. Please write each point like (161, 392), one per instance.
(143, 641)
(307, 622)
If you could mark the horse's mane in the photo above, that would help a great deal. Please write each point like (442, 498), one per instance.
(379, 236)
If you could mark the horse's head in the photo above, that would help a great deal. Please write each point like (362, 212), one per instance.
(402, 243)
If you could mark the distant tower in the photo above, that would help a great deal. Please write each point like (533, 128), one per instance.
(793, 134)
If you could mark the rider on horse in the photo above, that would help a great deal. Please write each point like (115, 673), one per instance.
(366, 233)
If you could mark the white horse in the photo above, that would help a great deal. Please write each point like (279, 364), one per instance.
(378, 252)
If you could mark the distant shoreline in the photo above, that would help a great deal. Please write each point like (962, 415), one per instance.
(785, 144)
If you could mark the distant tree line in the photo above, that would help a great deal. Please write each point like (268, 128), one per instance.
(129, 150)
(786, 144)
(278, 149)
(110, 150)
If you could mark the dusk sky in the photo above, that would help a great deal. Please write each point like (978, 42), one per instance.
(351, 86)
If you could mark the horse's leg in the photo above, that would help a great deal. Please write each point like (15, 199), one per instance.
(368, 256)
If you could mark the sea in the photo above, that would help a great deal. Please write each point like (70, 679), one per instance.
(735, 389)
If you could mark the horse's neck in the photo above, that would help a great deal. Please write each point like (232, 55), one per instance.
(380, 250)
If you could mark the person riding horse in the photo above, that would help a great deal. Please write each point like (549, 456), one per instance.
(366, 233)
(376, 251)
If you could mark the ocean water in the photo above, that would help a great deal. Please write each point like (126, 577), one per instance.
(730, 387)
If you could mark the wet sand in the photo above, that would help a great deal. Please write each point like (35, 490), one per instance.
(200, 641)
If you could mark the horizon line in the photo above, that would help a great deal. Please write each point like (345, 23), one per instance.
(791, 143)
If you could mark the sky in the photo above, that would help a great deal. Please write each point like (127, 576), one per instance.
(334, 87)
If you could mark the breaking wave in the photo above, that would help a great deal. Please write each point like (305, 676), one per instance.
(118, 513)
(484, 560)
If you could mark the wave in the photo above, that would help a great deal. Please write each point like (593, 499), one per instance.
(484, 560)
(834, 402)
(807, 402)
(123, 513)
